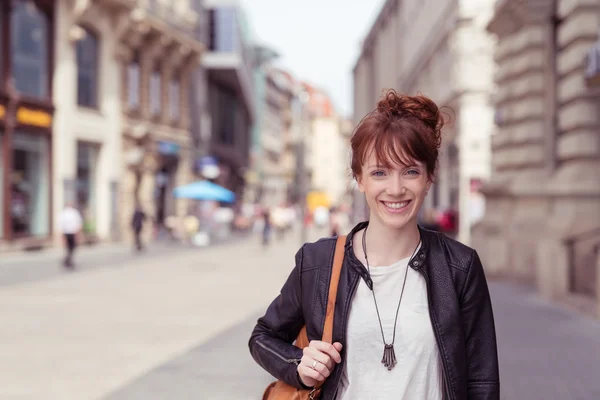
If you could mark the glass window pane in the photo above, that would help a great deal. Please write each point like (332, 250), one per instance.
(29, 211)
(155, 93)
(133, 85)
(1, 189)
(87, 155)
(87, 70)
(29, 29)
(174, 98)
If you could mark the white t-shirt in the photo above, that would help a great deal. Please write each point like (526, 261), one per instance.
(70, 221)
(417, 374)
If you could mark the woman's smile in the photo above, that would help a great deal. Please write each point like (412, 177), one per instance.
(396, 207)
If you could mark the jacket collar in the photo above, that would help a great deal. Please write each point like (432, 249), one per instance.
(416, 262)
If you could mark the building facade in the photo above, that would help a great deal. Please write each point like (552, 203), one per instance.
(88, 116)
(542, 224)
(159, 53)
(231, 110)
(27, 136)
(442, 50)
(276, 123)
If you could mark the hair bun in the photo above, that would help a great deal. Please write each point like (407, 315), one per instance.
(421, 107)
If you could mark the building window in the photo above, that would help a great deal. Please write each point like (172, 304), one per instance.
(224, 29)
(226, 116)
(87, 70)
(87, 160)
(133, 84)
(155, 92)
(174, 98)
(29, 196)
(30, 37)
(1, 189)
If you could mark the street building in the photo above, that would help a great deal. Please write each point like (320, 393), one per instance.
(542, 220)
(88, 114)
(442, 50)
(230, 107)
(27, 133)
(159, 52)
(276, 121)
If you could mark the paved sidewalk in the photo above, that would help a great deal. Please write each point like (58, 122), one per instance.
(176, 326)
(29, 267)
(546, 352)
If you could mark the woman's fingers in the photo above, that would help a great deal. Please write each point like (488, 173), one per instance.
(328, 349)
(324, 359)
(318, 361)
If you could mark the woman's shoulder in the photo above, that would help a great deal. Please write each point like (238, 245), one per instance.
(318, 254)
(457, 253)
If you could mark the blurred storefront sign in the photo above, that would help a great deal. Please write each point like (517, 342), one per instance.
(2, 111)
(592, 65)
(38, 118)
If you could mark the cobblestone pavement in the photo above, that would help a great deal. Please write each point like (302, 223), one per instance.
(176, 326)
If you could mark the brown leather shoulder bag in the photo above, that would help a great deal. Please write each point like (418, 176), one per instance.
(282, 391)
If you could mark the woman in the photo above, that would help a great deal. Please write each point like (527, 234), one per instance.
(413, 317)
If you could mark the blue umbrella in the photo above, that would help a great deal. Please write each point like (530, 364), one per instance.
(204, 190)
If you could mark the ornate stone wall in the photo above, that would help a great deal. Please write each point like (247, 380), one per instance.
(545, 183)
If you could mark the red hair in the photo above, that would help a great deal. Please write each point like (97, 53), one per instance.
(401, 130)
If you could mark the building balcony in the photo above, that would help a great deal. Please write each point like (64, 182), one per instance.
(162, 27)
(228, 58)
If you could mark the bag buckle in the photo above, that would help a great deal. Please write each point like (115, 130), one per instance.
(313, 394)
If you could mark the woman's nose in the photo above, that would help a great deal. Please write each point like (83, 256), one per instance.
(396, 188)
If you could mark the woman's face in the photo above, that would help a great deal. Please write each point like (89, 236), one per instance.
(394, 194)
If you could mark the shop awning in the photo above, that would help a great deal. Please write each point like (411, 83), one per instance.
(204, 190)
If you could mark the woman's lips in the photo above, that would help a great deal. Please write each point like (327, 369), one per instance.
(396, 207)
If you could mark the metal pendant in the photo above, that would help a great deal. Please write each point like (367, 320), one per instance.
(389, 357)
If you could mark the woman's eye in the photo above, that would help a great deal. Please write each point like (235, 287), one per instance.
(413, 172)
(378, 173)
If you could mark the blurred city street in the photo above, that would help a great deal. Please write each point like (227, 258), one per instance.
(175, 325)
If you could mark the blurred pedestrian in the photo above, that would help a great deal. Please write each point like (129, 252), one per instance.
(70, 223)
(137, 224)
(394, 275)
(267, 227)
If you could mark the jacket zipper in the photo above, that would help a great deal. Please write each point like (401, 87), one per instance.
(346, 310)
(448, 394)
(276, 354)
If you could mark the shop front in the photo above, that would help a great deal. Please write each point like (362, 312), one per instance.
(25, 170)
(26, 116)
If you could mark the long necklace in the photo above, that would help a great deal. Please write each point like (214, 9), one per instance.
(389, 355)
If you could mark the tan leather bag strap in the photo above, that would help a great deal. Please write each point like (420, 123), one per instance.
(338, 260)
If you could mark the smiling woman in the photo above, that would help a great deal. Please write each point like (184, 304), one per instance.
(411, 296)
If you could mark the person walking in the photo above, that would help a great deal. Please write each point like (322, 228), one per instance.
(413, 317)
(137, 224)
(70, 223)
(267, 228)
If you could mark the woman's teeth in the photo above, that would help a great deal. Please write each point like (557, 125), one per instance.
(396, 205)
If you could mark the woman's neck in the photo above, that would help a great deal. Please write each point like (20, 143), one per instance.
(385, 246)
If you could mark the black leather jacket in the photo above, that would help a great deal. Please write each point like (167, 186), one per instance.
(459, 307)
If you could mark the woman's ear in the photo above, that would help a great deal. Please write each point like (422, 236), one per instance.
(428, 186)
(360, 184)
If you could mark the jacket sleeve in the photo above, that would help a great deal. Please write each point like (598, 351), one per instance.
(480, 333)
(271, 341)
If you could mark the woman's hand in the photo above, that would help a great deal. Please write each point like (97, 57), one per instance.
(318, 361)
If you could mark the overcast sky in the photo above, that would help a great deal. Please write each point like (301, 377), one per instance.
(318, 40)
